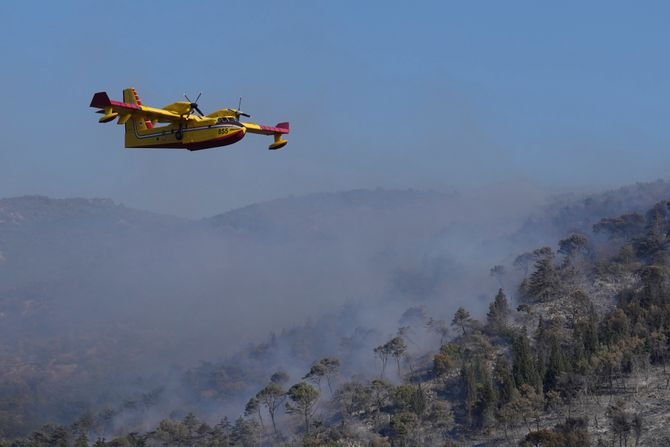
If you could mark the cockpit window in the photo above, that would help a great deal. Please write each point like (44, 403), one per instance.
(226, 119)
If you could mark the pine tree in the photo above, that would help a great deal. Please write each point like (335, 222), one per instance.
(498, 312)
(523, 365)
(397, 348)
(502, 374)
(272, 397)
(469, 379)
(590, 334)
(302, 397)
(556, 365)
(383, 352)
(461, 319)
(486, 395)
(544, 282)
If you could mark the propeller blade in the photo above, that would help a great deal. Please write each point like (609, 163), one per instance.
(243, 114)
(193, 105)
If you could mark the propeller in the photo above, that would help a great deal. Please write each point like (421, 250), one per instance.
(239, 112)
(194, 105)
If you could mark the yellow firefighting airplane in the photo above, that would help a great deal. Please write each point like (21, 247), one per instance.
(186, 129)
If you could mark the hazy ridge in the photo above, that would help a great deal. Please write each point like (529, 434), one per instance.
(92, 291)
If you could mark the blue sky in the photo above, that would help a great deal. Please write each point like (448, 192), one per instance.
(438, 95)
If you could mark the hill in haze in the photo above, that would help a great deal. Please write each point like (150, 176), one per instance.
(92, 292)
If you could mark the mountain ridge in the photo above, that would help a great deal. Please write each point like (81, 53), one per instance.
(94, 270)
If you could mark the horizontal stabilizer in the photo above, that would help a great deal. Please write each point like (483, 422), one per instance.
(280, 128)
(108, 116)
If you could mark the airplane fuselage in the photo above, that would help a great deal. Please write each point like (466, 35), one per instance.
(175, 136)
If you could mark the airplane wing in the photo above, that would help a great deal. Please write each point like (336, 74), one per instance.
(277, 131)
(125, 111)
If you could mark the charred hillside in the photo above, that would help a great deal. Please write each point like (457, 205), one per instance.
(578, 359)
(570, 351)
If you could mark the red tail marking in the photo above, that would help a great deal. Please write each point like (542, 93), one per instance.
(100, 100)
(279, 128)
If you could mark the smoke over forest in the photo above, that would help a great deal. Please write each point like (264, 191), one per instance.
(107, 308)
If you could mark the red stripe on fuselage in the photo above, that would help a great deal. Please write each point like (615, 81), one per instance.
(216, 142)
(207, 144)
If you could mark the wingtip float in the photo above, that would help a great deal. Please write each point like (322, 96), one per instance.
(186, 127)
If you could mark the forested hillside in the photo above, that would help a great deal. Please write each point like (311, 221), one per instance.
(569, 346)
(101, 303)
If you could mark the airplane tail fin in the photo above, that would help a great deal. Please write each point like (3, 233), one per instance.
(130, 96)
(101, 101)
